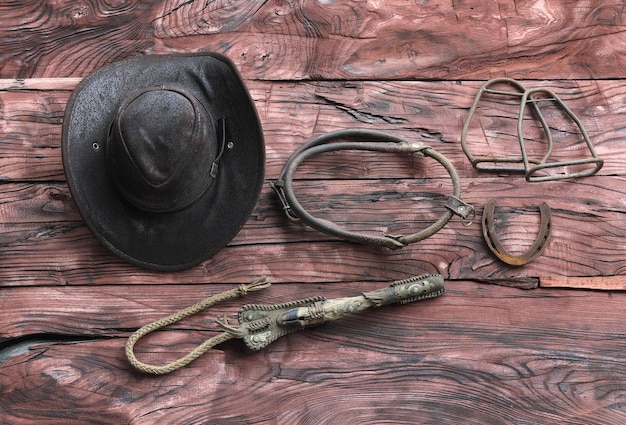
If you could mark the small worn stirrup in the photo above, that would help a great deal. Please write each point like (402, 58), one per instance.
(368, 140)
(533, 169)
(503, 164)
(494, 244)
(260, 325)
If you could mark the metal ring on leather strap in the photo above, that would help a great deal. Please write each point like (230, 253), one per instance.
(369, 140)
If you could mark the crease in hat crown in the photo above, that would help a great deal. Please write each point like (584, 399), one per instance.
(162, 144)
(142, 141)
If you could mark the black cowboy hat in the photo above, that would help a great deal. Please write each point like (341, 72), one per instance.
(164, 157)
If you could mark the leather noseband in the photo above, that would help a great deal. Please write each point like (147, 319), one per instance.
(369, 140)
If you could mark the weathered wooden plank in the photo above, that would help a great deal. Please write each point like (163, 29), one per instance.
(615, 283)
(275, 40)
(50, 84)
(479, 354)
(44, 242)
(429, 112)
(114, 310)
(31, 132)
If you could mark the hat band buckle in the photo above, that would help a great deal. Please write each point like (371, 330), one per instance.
(223, 145)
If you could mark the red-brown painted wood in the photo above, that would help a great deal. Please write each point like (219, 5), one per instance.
(479, 354)
(543, 343)
(304, 39)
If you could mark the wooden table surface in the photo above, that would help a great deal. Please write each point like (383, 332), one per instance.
(538, 344)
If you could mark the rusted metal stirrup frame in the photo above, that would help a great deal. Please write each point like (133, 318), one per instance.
(490, 163)
(531, 167)
(369, 140)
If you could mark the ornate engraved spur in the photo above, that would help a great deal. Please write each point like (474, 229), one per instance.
(260, 325)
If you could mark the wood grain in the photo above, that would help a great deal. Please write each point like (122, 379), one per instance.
(616, 283)
(543, 343)
(291, 113)
(45, 242)
(519, 360)
(305, 39)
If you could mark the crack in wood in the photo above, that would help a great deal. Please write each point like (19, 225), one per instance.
(359, 115)
(15, 347)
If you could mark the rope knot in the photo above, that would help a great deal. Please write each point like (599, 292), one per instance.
(257, 285)
(230, 331)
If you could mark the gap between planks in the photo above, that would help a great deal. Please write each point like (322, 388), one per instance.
(39, 83)
(605, 283)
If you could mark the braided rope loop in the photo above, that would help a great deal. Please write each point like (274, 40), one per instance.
(258, 284)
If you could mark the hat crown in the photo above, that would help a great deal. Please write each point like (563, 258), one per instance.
(161, 146)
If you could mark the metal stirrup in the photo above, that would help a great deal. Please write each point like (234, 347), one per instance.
(368, 140)
(533, 169)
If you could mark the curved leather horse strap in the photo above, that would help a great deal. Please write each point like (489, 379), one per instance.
(260, 325)
(494, 244)
(368, 140)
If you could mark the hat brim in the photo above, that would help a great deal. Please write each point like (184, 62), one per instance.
(180, 239)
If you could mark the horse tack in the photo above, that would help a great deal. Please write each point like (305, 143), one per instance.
(494, 244)
(500, 164)
(260, 325)
(371, 141)
(531, 168)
